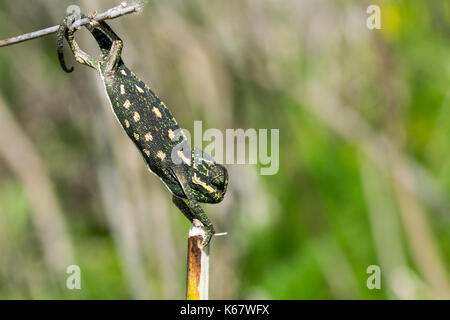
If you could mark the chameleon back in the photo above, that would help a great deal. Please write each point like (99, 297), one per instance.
(143, 116)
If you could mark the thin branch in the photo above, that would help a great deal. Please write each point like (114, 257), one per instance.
(120, 10)
(197, 264)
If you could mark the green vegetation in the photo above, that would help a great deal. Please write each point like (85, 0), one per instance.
(364, 174)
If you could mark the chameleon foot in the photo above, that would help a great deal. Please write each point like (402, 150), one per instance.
(209, 233)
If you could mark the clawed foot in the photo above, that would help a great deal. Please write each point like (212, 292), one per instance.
(209, 233)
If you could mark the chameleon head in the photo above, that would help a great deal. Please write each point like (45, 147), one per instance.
(209, 179)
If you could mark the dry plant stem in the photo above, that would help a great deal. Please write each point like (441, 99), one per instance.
(112, 13)
(197, 264)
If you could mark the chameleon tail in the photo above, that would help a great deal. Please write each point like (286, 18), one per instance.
(62, 31)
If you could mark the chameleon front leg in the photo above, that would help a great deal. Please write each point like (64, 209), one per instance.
(192, 210)
(199, 214)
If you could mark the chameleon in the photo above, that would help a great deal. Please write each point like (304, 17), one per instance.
(191, 175)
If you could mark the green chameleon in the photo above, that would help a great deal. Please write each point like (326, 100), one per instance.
(192, 176)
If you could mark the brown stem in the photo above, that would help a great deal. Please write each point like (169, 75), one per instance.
(197, 264)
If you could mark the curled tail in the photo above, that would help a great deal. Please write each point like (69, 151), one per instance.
(60, 35)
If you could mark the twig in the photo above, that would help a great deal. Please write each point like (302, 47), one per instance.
(120, 10)
(197, 264)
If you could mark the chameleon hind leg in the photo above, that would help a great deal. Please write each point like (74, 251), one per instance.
(80, 56)
(109, 42)
(103, 34)
(113, 58)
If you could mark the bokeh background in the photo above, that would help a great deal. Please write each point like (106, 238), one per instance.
(364, 174)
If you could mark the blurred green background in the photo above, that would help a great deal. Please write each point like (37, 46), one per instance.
(364, 174)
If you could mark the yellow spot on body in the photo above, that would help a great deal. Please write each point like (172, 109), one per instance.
(122, 89)
(171, 134)
(139, 89)
(127, 123)
(185, 159)
(146, 152)
(136, 136)
(157, 112)
(148, 136)
(136, 117)
(197, 180)
(161, 155)
(127, 104)
(123, 72)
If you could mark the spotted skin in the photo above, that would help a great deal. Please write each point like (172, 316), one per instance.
(194, 177)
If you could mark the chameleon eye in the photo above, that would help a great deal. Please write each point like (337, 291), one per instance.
(218, 177)
(217, 181)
